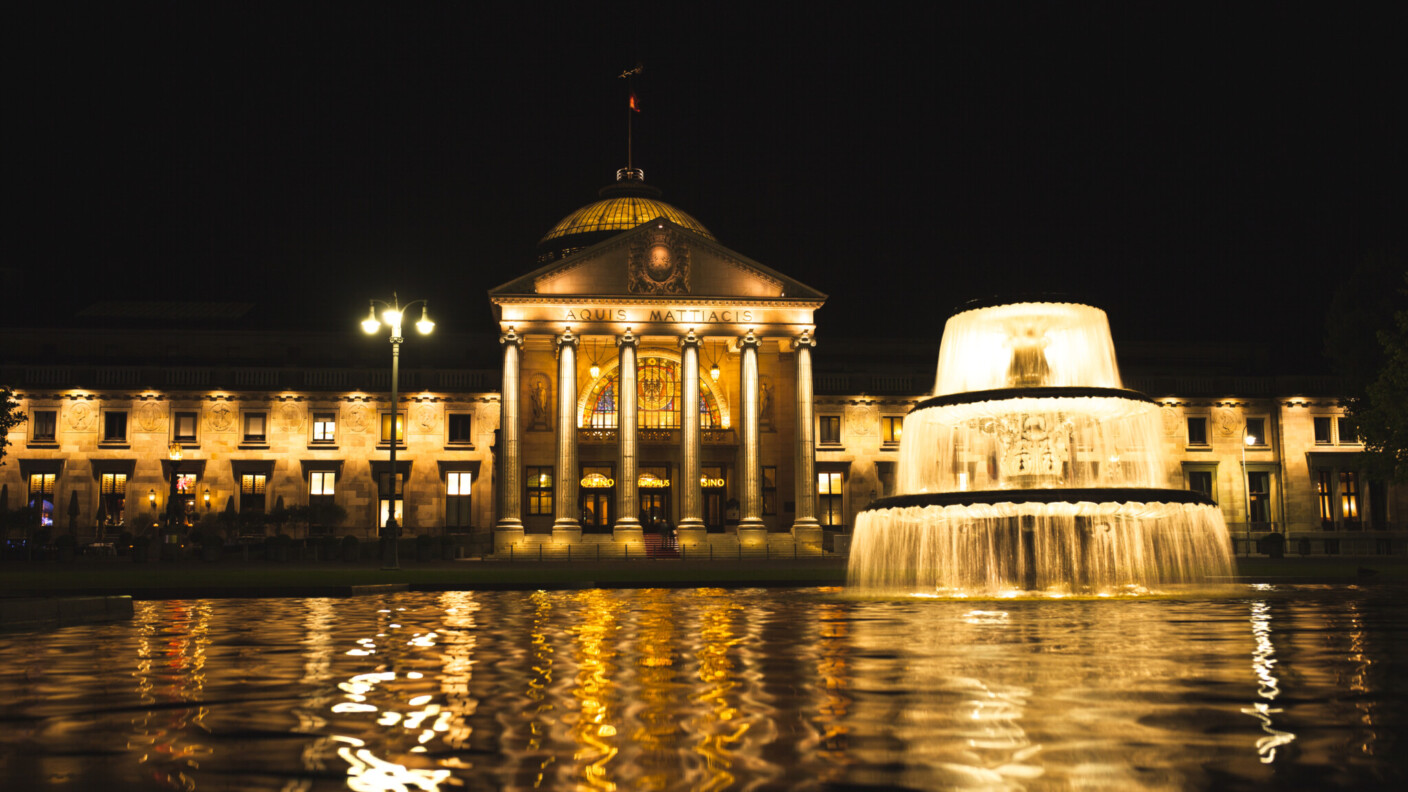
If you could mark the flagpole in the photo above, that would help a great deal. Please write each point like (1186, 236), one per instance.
(630, 122)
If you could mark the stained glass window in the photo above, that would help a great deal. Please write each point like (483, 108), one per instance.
(657, 398)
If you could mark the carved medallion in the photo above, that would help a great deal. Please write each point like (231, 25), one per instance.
(149, 417)
(1228, 422)
(357, 418)
(426, 416)
(1170, 419)
(80, 417)
(861, 420)
(292, 415)
(658, 264)
(222, 417)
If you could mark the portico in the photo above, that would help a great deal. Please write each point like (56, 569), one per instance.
(639, 380)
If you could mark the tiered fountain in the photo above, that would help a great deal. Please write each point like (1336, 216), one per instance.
(1031, 469)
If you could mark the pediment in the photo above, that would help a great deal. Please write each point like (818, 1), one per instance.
(662, 260)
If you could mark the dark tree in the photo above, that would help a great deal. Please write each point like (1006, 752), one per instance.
(10, 417)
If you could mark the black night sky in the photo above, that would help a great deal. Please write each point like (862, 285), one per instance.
(1195, 171)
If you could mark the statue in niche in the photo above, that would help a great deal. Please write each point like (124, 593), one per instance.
(222, 417)
(539, 411)
(765, 402)
(149, 416)
(80, 417)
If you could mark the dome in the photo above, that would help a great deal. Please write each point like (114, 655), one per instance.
(623, 206)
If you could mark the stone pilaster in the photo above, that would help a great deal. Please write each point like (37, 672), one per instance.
(510, 525)
(566, 527)
(805, 529)
(751, 529)
(691, 529)
(627, 527)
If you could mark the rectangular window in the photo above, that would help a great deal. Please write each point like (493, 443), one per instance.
(44, 426)
(112, 499)
(391, 499)
(1259, 497)
(457, 499)
(829, 430)
(1349, 496)
(184, 427)
(460, 427)
(252, 492)
(400, 428)
(256, 427)
(41, 496)
(1325, 494)
(1200, 481)
(115, 426)
(321, 484)
(538, 481)
(829, 491)
(1256, 432)
(891, 427)
(770, 489)
(1197, 431)
(185, 502)
(1323, 431)
(324, 427)
(1346, 429)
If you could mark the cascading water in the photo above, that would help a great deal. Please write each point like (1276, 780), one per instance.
(1031, 468)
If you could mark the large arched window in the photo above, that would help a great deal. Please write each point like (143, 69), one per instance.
(658, 392)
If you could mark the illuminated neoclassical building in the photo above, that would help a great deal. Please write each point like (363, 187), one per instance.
(653, 377)
(643, 378)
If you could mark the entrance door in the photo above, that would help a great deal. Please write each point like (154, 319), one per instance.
(715, 491)
(596, 511)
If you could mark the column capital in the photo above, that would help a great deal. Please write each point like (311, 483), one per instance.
(749, 339)
(803, 340)
(568, 338)
(511, 337)
(690, 339)
(628, 339)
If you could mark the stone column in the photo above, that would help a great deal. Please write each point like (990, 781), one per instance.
(509, 529)
(751, 529)
(691, 529)
(627, 527)
(566, 527)
(806, 531)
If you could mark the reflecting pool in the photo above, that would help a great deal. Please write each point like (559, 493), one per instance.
(716, 689)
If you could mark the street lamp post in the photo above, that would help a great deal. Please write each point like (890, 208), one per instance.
(391, 314)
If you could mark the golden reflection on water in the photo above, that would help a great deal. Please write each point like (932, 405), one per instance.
(710, 689)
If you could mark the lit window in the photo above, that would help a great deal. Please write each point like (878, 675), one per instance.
(1197, 431)
(400, 428)
(1259, 497)
(41, 496)
(891, 426)
(255, 427)
(112, 500)
(252, 492)
(829, 489)
(457, 499)
(324, 427)
(460, 428)
(657, 398)
(538, 481)
(391, 499)
(1324, 491)
(1349, 496)
(184, 427)
(829, 430)
(322, 483)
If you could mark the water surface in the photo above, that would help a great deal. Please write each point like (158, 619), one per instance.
(713, 689)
